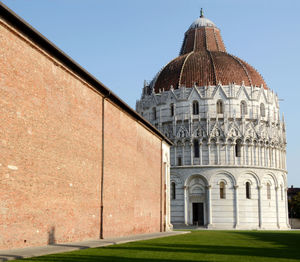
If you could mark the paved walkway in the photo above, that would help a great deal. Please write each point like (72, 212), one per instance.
(6, 255)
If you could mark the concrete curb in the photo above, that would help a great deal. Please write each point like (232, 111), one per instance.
(13, 254)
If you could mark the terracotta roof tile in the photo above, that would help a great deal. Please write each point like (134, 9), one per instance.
(203, 60)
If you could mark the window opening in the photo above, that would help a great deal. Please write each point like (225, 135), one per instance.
(238, 151)
(172, 109)
(173, 190)
(154, 113)
(196, 148)
(219, 107)
(195, 108)
(248, 193)
(179, 162)
(222, 190)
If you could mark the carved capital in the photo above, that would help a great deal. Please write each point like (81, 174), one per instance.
(235, 186)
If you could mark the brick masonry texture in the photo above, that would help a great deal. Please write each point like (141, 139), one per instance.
(132, 176)
(51, 155)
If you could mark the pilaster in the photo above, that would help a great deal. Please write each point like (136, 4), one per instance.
(236, 198)
(260, 223)
(209, 207)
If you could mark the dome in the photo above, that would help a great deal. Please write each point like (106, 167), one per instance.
(203, 61)
(203, 68)
(202, 21)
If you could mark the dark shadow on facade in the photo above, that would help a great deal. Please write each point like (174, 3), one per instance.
(51, 236)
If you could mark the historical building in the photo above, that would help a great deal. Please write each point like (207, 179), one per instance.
(76, 162)
(228, 167)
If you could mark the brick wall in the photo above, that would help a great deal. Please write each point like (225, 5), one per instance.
(50, 155)
(132, 176)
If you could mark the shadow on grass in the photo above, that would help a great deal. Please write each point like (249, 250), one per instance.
(288, 246)
(261, 245)
(290, 239)
(94, 258)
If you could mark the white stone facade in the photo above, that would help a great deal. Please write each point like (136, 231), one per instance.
(226, 138)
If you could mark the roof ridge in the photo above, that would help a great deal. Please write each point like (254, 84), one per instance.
(213, 66)
(216, 40)
(181, 70)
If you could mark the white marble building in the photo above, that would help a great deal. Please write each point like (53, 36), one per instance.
(228, 162)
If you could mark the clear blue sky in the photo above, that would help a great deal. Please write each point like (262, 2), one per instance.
(124, 42)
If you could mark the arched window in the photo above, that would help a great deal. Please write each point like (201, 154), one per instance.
(195, 108)
(220, 107)
(248, 190)
(262, 110)
(154, 113)
(268, 191)
(172, 109)
(179, 162)
(238, 147)
(243, 108)
(222, 190)
(196, 148)
(173, 190)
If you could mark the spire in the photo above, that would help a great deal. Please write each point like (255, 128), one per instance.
(201, 13)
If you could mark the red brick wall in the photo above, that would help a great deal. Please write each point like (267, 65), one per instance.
(50, 156)
(132, 176)
(51, 132)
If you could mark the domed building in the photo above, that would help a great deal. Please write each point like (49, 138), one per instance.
(228, 161)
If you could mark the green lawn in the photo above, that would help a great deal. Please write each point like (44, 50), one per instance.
(202, 245)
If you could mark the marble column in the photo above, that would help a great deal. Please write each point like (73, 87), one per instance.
(244, 154)
(209, 208)
(208, 152)
(192, 155)
(226, 149)
(251, 146)
(233, 153)
(277, 207)
(275, 152)
(284, 159)
(175, 155)
(266, 156)
(236, 202)
(280, 158)
(218, 152)
(200, 152)
(273, 157)
(260, 219)
(259, 160)
(286, 208)
(183, 155)
(186, 204)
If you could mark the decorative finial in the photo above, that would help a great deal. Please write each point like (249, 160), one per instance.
(201, 13)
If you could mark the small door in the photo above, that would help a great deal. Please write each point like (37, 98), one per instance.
(198, 214)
